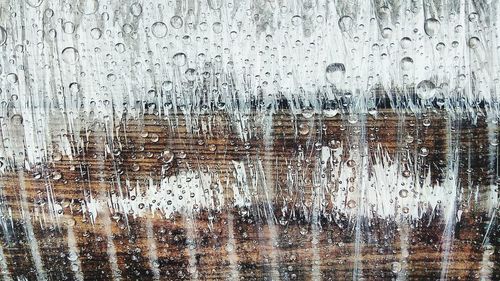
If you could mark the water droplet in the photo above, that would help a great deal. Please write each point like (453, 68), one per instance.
(72, 256)
(3, 35)
(176, 22)
(440, 46)
(57, 156)
(88, 7)
(136, 9)
(351, 204)
(159, 29)
(406, 63)
(167, 156)
(17, 119)
(167, 86)
(56, 175)
(120, 48)
(431, 26)
(386, 32)
(12, 78)
(34, 3)
(396, 267)
(405, 43)
(68, 27)
(331, 112)
(403, 193)
(474, 42)
(303, 129)
(217, 27)
(423, 151)
(70, 55)
(180, 59)
(296, 20)
(426, 89)
(96, 33)
(335, 73)
(215, 4)
(345, 23)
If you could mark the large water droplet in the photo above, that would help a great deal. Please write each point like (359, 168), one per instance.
(88, 7)
(3, 35)
(405, 43)
(474, 42)
(17, 119)
(136, 9)
(12, 78)
(96, 33)
(296, 20)
(426, 89)
(176, 22)
(215, 4)
(180, 59)
(406, 63)
(345, 23)
(159, 29)
(70, 55)
(335, 73)
(34, 3)
(432, 26)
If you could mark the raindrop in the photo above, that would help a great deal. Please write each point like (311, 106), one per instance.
(426, 89)
(351, 204)
(68, 27)
(345, 23)
(303, 129)
(386, 32)
(120, 48)
(405, 43)
(136, 9)
(159, 29)
(70, 55)
(296, 20)
(330, 112)
(17, 119)
(431, 26)
(72, 256)
(396, 267)
(215, 4)
(88, 7)
(440, 46)
(96, 33)
(34, 3)
(217, 27)
(403, 193)
(167, 85)
(176, 22)
(423, 151)
(56, 175)
(406, 173)
(180, 59)
(167, 156)
(12, 78)
(3, 35)
(335, 73)
(406, 63)
(474, 42)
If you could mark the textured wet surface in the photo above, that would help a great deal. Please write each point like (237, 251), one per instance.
(235, 140)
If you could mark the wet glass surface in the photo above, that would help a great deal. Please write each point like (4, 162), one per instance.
(249, 140)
